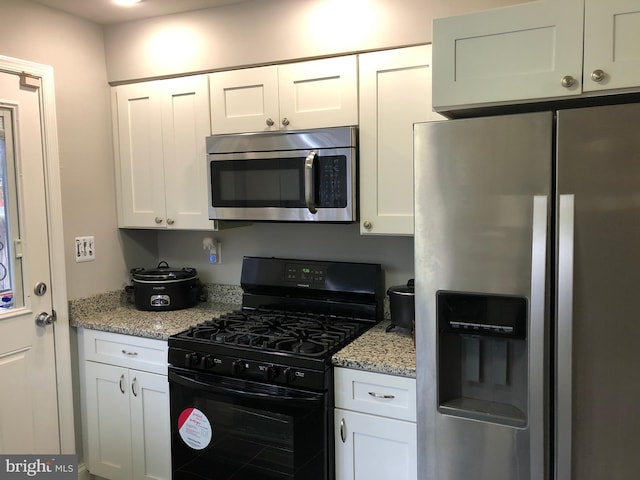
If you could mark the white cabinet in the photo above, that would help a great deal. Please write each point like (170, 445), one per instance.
(611, 44)
(125, 406)
(395, 92)
(312, 94)
(534, 51)
(375, 429)
(161, 172)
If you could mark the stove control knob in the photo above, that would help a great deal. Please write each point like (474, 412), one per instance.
(289, 374)
(191, 359)
(238, 366)
(208, 361)
(271, 372)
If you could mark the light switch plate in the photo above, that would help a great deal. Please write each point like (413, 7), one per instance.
(85, 249)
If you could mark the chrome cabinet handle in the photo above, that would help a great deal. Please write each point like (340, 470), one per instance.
(567, 81)
(269, 122)
(564, 340)
(158, 220)
(309, 191)
(598, 75)
(170, 221)
(134, 387)
(367, 225)
(343, 431)
(285, 122)
(381, 395)
(122, 383)
(130, 354)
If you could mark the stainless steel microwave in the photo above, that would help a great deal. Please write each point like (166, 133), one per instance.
(292, 176)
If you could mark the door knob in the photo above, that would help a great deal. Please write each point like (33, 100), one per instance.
(43, 319)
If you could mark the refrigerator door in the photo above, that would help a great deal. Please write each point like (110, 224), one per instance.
(482, 218)
(598, 326)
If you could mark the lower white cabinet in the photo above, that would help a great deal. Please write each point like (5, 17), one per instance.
(125, 406)
(375, 426)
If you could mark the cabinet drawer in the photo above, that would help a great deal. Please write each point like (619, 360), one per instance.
(376, 393)
(124, 350)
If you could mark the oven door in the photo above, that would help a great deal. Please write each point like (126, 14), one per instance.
(296, 185)
(224, 428)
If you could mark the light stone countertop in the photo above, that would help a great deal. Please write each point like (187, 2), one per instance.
(112, 312)
(379, 351)
(375, 350)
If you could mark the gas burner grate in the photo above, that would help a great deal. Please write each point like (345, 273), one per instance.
(288, 332)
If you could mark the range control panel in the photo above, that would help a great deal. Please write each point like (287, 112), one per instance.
(305, 273)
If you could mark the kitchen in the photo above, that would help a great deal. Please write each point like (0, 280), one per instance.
(88, 188)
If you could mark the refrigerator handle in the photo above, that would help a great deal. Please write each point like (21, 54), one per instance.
(537, 326)
(564, 343)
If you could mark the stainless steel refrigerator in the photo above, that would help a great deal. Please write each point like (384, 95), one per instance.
(527, 281)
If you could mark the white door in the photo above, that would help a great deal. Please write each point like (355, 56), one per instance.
(28, 395)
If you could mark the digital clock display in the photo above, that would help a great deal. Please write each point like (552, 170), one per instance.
(305, 274)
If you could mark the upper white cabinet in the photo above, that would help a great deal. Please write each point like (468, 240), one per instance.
(611, 44)
(161, 168)
(312, 94)
(395, 92)
(534, 51)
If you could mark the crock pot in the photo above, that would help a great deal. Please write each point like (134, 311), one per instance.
(165, 288)
(402, 305)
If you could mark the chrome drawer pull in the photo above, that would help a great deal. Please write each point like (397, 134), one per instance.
(381, 395)
(122, 383)
(343, 433)
(130, 354)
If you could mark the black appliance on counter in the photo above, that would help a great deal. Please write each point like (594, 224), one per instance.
(252, 390)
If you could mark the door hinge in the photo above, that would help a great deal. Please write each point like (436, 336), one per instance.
(30, 81)
(17, 247)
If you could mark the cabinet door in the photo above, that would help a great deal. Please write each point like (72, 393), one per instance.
(150, 425)
(374, 448)
(395, 92)
(244, 100)
(139, 151)
(319, 93)
(185, 126)
(611, 44)
(108, 420)
(515, 53)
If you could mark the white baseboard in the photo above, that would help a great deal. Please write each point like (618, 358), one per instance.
(83, 473)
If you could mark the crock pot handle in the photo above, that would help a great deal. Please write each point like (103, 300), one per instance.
(166, 265)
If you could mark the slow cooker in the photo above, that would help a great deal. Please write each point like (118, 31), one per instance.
(402, 305)
(165, 288)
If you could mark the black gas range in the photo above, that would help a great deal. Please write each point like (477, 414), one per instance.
(261, 377)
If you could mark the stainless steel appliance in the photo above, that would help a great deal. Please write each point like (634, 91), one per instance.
(527, 269)
(293, 176)
(251, 392)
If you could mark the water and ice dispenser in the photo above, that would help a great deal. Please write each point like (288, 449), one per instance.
(483, 357)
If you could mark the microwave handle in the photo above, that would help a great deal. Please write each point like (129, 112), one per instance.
(308, 182)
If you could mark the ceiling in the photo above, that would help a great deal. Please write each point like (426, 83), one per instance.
(106, 12)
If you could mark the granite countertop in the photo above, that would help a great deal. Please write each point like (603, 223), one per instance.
(112, 312)
(379, 351)
(375, 350)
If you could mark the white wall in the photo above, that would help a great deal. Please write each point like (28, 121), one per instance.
(260, 31)
(305, 241)
(75, 49)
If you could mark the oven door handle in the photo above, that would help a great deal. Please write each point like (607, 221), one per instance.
(309, 190)
(250, 393)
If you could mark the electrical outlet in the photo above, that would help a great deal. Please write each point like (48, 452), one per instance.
(85, 249)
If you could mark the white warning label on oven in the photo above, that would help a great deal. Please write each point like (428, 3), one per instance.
(195, 429)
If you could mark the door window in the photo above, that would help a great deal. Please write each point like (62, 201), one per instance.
(10, 265)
